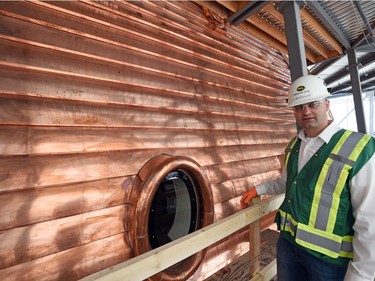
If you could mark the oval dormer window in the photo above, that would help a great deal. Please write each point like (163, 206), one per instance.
(174, 210)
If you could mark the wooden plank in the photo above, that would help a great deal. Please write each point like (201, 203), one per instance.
(267, 273)
(238, 269)
(74, 263)
(234, 246)
(268, 220)
(19, 245)
(154, 261)
(255, 242)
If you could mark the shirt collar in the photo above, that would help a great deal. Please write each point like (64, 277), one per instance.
(326, 134)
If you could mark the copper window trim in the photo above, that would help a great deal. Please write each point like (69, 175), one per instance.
(147, 182)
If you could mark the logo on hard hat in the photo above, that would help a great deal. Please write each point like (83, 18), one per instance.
(300, 88)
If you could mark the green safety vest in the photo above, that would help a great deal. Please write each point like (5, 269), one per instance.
(316, 213)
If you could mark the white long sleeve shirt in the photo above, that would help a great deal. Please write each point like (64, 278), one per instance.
(362, 189)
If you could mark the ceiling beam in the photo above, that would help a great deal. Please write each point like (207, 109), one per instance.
(266, 38)
(367, 80)
(214, 7)
(370, 30)
(369, 47)
(365, 38)
(240, 11)
(315, 24)
(246, 26)
(262, 20)
(259, 23)
(318, 10)
(271, 10)
(362, 62)
(321, 66)
(264, 26)
(369, 84)
(251, 8)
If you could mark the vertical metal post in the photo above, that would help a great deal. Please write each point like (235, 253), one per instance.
(357, 91)
(372, 112)
(294, 37)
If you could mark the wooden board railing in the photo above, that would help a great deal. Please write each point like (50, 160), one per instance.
(254, 238)
(152, 262)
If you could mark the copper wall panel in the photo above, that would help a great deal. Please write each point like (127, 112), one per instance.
(90, 91)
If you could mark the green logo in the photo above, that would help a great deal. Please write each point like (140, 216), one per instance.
(300, 88)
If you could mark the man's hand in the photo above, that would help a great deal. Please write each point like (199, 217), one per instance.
(247, 197)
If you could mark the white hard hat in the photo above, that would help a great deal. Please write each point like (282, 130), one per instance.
(307, 89)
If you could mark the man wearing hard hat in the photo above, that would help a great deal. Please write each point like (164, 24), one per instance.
(327, 219)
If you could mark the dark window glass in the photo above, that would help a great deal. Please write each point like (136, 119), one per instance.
(174, 209)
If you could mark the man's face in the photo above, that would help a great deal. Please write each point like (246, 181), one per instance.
(312, 117)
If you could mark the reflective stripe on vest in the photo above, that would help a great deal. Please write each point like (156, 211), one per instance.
(287, 223)
(333, 246)
(289, 147)
(332, 180)
(318, 234)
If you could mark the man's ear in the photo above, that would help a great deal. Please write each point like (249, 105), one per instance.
(328, 104)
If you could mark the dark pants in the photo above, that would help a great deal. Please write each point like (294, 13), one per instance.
(295, 264)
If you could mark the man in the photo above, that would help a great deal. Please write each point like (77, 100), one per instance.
(327, 219)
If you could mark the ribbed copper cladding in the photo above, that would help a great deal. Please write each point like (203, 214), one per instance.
(98, 99)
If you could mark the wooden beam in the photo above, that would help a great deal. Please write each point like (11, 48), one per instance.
(267, 273)
(255, 241)
(265, 29)
(224, 11)
(307, 37)
(313, 22)
(259, 23)
(266, 38)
